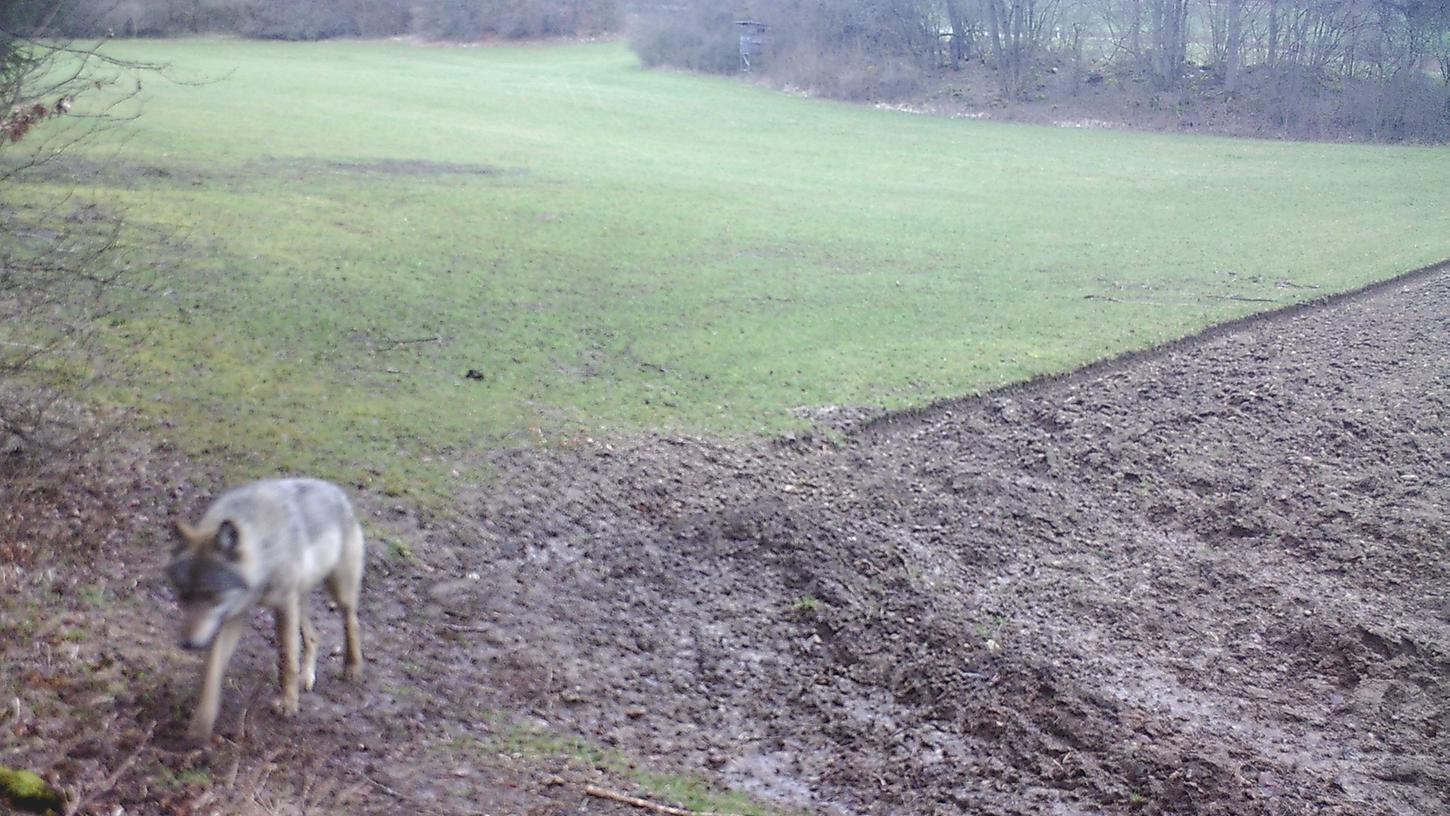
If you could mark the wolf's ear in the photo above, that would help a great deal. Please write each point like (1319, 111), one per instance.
(187, 534)
(226, 540)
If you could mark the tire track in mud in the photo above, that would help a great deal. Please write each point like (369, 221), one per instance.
(1203, 580)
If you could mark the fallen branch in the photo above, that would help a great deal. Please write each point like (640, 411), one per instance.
(384, 788)
(1244, 299)
(81, 800)
(246, 711)
(643, 804)
(458, 627)
(392, 344)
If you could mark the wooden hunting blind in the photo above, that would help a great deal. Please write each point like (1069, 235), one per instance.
(752, 42)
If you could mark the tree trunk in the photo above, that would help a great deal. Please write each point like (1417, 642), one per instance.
(1168, 32)
(994, 33)
(1076, 58)
(1273, 55)
(1155, 37)
(1017, 45)
(959, 33)
(1233, 45)
(1180, 36)
(1135, 35)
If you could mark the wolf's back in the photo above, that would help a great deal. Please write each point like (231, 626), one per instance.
(300, 527)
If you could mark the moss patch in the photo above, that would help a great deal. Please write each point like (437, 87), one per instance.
(25, 791)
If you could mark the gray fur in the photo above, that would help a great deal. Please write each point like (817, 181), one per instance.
(290, 535)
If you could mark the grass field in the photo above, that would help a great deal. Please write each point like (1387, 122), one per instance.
(616, 250)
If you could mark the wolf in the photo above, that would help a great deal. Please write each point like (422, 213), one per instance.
(267, 544)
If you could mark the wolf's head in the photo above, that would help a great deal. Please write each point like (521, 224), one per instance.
(204, 570)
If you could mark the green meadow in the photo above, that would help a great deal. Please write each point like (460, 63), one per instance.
(358, 225)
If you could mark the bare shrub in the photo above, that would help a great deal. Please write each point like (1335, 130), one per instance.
(850, 50)
(856, 50)
(1296, 102)
(696, 37)
(324, 19)
(55, 283)
(844, 74)
(284, 20)
(1409, 108)
(467, 20)
(61, 270)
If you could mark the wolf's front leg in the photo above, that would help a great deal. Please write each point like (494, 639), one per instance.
(288, 627)
(210, 703)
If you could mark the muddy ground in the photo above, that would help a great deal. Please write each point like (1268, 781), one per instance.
(1206, 580)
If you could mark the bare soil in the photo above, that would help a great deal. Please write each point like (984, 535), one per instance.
(1209, 579)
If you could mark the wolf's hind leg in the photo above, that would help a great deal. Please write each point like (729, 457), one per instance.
(345, 585)
(347, 604)
(352, 667)
(287, 630)
(309, 647)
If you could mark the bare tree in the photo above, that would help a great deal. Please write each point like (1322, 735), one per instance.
(58, 266)
(1018, 31)
(1233, 44)
(961, 32)
(1169, 30)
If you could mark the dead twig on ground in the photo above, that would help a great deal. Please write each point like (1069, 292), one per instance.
(78, 800)
(458, 627)
(644, 804)
(388, 343)
(1244, 299)
(242, 730)
(256, 777)
(384, 788)
(235, 769)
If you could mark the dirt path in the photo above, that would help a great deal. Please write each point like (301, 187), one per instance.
(1207, 581)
